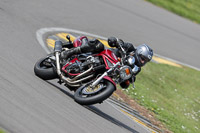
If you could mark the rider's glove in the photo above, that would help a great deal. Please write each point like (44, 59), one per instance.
(121, 42)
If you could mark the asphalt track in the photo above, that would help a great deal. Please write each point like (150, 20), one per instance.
(29, 104)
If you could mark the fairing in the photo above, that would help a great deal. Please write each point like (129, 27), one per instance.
(109, 58)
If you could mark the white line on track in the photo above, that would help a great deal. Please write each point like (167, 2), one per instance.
(40, 37)
(177, 62)
(40, 33)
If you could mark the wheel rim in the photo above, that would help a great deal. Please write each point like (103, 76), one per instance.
(88, 90)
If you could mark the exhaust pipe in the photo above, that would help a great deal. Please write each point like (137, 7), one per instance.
(82, 74)
(72, 82)
(57, 54)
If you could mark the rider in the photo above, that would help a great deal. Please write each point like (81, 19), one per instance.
(142, 54)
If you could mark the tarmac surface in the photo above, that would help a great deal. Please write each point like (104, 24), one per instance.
(29, 104)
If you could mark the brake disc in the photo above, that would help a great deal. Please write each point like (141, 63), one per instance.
(89, 90)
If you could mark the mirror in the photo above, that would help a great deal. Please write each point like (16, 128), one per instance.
(135, 69)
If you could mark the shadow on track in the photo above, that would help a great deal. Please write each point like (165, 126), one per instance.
(97, 111)
(109, 118)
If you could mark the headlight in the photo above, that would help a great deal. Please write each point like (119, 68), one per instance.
(125, 72)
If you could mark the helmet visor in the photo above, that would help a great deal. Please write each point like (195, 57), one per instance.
(144, 59)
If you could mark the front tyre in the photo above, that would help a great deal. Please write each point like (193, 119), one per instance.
(44, 69)
(85, 95)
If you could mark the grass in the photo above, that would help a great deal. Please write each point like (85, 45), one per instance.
(172, 93)
(187, 8)
(1, 131)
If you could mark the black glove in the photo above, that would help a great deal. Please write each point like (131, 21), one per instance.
(120, 42)
(128, 47)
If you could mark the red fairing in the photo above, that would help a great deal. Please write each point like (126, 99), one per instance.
(109, 57)
(78, 41)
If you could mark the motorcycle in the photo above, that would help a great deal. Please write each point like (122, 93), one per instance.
(93, 76)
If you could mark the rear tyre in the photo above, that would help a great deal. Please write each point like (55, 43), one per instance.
(44, 69)
(83, 97)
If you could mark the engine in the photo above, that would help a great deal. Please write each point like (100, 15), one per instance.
(75, 67)
(80, 64)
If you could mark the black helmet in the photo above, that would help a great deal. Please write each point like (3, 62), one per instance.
(143, 54)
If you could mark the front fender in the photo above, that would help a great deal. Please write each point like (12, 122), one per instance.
(109, 79)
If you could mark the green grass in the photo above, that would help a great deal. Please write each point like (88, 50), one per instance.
(1, 131)
(172, 93)
(187, 8)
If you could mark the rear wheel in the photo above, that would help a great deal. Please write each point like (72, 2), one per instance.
(44, 69)
(86, 95)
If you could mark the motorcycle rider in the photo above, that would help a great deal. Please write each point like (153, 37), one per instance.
(142, 54)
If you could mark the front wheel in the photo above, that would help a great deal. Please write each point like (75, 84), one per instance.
(86, 95)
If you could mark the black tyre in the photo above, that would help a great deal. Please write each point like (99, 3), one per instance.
(44, 69)
(84, 97)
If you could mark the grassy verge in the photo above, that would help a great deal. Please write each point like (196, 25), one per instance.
(1, 131)
(172, 93)
(187, 8)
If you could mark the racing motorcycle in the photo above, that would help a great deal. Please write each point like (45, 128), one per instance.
(93, 77)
